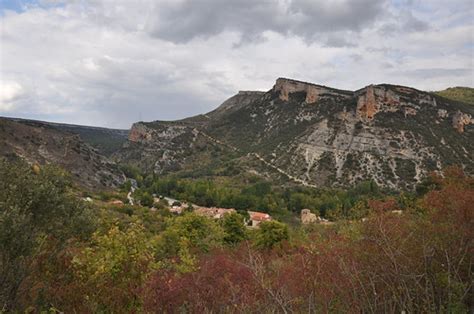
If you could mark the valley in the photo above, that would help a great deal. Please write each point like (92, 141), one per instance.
(286, 193)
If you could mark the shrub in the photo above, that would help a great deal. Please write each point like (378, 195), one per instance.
(270, 234)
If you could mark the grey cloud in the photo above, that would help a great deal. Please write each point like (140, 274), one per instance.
(112, 62)
(404, 22)
(413, 24)
(439, 72)
(340, 41)
(183, 21)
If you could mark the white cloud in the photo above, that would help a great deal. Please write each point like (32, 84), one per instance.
(9, 92)
(110, 62)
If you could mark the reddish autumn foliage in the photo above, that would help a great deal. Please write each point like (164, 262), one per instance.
(383, 205)
(418, 261)
(223, 283)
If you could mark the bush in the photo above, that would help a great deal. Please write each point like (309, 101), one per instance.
(109, 269)
(234, 228)
(201, 233)
(146, 199)
(270, 234)
(37, 211)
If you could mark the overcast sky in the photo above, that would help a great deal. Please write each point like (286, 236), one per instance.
(113, 62)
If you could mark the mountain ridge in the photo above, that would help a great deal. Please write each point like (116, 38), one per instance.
(306, 133)
(305, 118)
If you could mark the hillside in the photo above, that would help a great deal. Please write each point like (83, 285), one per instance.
(45, 143)
(313, 135)
(105, 140)
(295, 133)
(462, 94)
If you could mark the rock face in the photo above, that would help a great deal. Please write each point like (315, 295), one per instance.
(367, 105)
(307, 217)
(43, 143)
(313, 135)
(285, 87)
(460, 120)
(383, 98)
(139, 133)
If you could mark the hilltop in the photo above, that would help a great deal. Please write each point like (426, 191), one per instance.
(462, 94)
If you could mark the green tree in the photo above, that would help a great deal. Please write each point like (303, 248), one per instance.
(271, 234)
(143, 197)
(234, 228)
(202, 234)
(126, 186)
(116, 262)
(146, 199)
(36, 209)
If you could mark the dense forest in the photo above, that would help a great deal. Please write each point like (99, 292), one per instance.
(384, 252)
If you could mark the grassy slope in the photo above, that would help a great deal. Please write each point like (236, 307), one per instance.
(463, 94)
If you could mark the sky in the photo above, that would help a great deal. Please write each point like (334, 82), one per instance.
(111, 63)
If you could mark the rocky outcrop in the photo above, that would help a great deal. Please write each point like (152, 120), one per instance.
(367, 105)
(139, 133)
(387, 98)
(460, 120)
(285, 87)
(442, 113)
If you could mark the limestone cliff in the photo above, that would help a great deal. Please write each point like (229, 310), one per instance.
(367, 105)
(284, 87)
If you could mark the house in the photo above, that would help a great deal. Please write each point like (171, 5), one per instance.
(213, 212)
(256, 218)
(307, 217)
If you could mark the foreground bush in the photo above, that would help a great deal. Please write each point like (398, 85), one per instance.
(38, 215)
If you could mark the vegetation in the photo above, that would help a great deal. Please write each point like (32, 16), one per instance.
(37, 218)
(463, 94)
(384, 253)
(107, 141)
(259, 195)
(270, 234)
(234, 228)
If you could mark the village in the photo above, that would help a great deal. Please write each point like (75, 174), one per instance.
(254, 219)
(177, 207)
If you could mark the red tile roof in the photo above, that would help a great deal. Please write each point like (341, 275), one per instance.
(258, 216)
